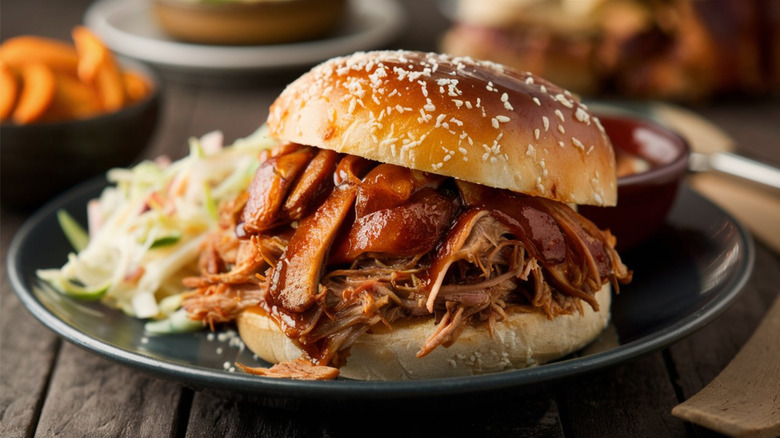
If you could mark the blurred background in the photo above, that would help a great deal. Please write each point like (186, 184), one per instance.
(681, 50)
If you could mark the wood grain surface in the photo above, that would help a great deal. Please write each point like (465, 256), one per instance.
(51, 388)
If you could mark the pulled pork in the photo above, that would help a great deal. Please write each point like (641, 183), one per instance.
(331, 246)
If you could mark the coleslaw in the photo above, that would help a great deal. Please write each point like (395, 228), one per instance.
(145, 231)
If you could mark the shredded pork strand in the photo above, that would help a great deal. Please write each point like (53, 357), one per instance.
(475, 275)
(300, 369)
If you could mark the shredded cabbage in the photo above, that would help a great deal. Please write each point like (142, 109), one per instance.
(145, 230)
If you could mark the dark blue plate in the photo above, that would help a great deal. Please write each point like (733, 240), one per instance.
(685, 276)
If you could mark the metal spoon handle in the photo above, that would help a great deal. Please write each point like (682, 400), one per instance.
(737, 165)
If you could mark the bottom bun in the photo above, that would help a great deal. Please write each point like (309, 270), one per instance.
(520, 341)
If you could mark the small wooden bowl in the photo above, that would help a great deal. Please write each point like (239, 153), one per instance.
(645, 198)
(244, 23)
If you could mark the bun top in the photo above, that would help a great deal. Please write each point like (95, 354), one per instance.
(473, 120)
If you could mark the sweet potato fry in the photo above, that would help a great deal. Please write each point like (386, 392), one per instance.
(92, 53)
(98, 66)
(9, 90)
(73, 99)
(110, 86)
(22, 50)
(37, 93)
(136, 86)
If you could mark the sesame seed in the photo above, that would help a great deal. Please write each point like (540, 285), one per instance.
(456, 121)
(536, 133)
(458, 103)
(502, 119)
(493, 160)
(529, 80)
(561, 144)
(468, 105)
(536, 101)
(576, 142)
(463, 150)
(546, 123)
(560, 128)
(590, 149)
(494, 121)
(582, 116)
(564, 101)
(508, 106)
(504, 97)
(543, 88)
(560, 115)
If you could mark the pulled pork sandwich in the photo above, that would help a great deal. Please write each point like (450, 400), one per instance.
(415, 222)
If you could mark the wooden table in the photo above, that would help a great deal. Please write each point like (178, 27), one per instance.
(49, 387)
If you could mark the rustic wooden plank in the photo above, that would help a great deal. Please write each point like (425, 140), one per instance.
(215, 415)
(536, 415)
(222, 416)
(424, 26)
(631, 400)
(173, 130)
(27, 351)
(752, 123)
(41, 17)
(91, 396)
(236, 111)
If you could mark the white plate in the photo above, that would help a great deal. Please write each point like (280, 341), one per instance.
(129, 28)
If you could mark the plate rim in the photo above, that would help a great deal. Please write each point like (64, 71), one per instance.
(177, 55)
(201, 377)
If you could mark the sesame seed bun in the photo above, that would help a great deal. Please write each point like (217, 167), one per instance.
(472, 120)
(520, 341)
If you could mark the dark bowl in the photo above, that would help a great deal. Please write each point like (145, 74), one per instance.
(645, 198)
(40, 160)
